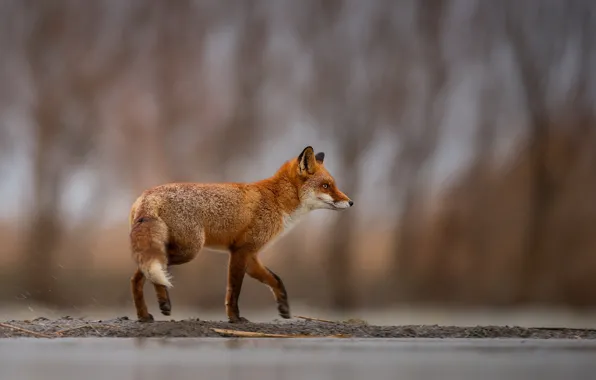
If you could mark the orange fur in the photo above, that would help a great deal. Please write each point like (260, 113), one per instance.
(171, 223)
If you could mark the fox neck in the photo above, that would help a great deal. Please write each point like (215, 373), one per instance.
(285, 186)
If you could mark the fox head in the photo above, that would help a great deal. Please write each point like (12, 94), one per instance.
(317, 188)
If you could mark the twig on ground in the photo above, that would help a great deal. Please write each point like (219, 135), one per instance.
(42, 335)
(94, 329)
(315, 319)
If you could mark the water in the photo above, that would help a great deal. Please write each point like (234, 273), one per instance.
(294, 359)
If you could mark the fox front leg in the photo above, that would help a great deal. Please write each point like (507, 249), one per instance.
(259, 272)
(236, 271)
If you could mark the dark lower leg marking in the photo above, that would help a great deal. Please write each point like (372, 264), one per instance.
(163, 298)
(265, 275)
(281, 296)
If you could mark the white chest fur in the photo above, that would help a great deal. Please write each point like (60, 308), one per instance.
(291, 220)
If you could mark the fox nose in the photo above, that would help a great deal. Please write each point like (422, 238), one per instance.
(351, 203)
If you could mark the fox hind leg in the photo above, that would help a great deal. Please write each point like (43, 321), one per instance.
(176, 256)
(148, 237)
(137, 282)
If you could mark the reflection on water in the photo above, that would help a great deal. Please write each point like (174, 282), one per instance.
(292, 359)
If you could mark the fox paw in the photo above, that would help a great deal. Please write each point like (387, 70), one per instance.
(238, 320)
(146, 318)
(165, 307)
(284, 311)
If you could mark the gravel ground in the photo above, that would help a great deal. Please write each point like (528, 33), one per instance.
(125, 327)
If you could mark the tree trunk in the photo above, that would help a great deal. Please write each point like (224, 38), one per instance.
(44, 228)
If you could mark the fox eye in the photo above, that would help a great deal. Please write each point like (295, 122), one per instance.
(325, 186)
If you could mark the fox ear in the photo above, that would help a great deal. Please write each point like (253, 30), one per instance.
(306, 161)
(320, 157)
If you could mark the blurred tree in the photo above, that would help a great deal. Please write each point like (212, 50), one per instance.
(418, 141)
(470, 247)
(538, 38)
(178, 53)
(354, 90)
(241, 135)
(67, 78)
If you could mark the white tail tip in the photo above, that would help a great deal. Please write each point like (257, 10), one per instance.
(158, 275)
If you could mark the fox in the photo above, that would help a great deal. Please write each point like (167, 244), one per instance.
(170, 224)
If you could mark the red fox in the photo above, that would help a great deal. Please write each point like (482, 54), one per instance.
(171, 223)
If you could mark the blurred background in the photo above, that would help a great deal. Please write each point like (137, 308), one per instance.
(462, 129)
